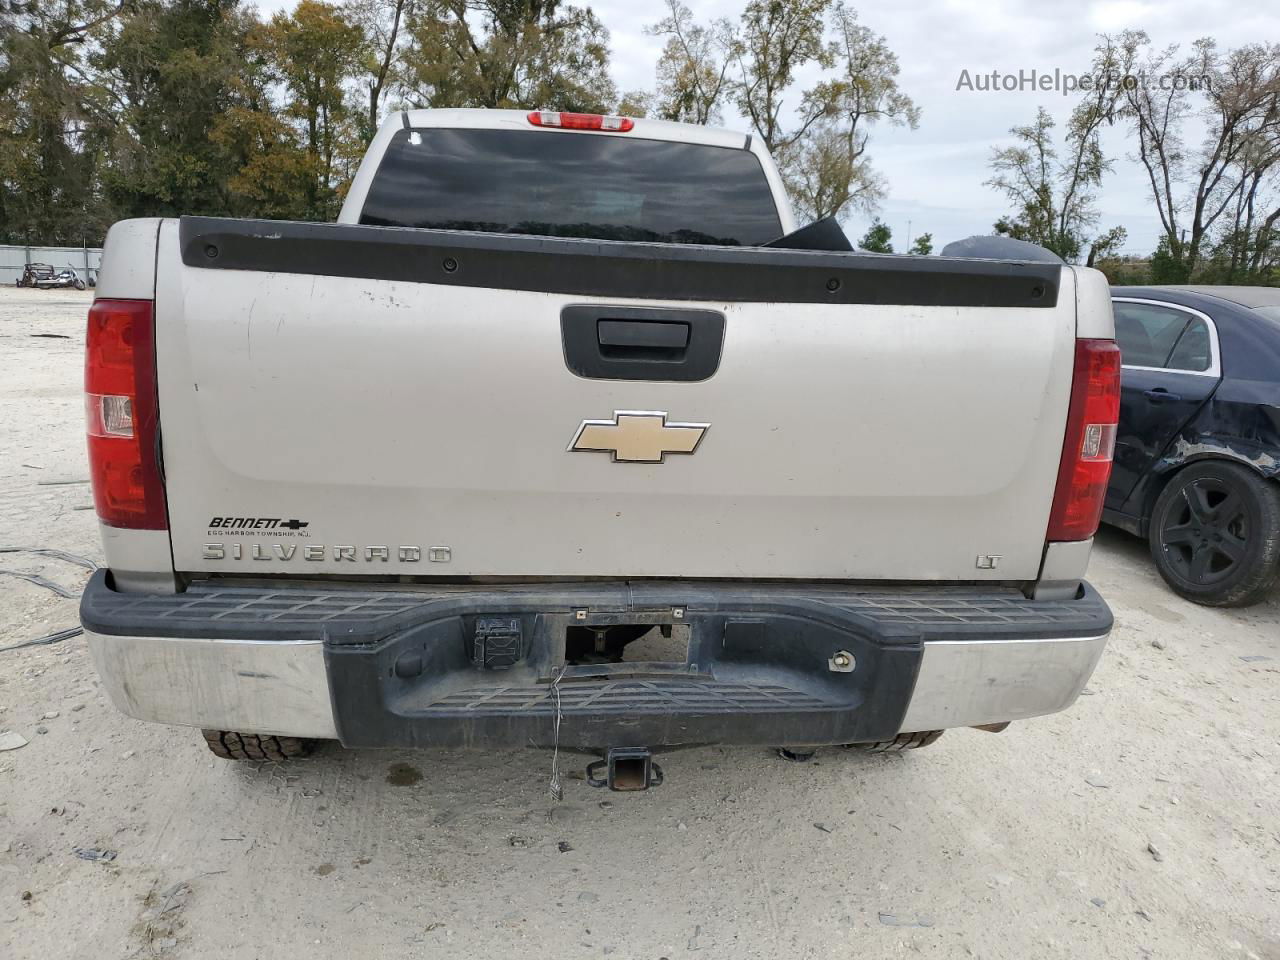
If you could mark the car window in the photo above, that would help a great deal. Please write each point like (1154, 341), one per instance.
(1147, 333)
(1192, 351)
(572, 185)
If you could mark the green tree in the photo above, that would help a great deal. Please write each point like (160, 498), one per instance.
(824, 176)
(877, 238)
(170, 70)
(818, 135)
(922, 246)
(317, 54)
(1054, 189)
(1054, 198)
(635, 103)
(863, 92)
(1216, 192)
(1106, 245)
(507, 53)
(274, 174)
(694, 69)
(385, 25)
(269, 171)
(1166, 266)
(48, 101)
(777, 38)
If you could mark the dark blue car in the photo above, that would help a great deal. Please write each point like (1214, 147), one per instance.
(1197, 459)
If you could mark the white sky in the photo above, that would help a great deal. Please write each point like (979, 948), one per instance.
(934, 174)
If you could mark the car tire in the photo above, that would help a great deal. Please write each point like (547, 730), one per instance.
(1215, 534)
(903, 741)
(256, 746)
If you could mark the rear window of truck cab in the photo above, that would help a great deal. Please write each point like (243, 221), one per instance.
(572, 185)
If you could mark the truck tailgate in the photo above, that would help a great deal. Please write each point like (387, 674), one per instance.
(349, 403)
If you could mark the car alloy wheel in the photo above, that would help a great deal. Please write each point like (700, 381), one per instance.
(1206, 536)
(1215, 534)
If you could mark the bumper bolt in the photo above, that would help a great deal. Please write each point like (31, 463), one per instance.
(842, 661)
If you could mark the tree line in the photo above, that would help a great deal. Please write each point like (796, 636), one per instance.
(1217, 199)
(120, 108)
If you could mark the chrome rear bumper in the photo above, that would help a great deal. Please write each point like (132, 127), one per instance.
(965, 683)
(282, 687)
(398, 666)
(267, 686)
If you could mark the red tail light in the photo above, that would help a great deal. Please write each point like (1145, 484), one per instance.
(121, 415)
(1090, 441)
(580, 121)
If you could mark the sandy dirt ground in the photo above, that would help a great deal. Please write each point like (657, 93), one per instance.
(1144, 822)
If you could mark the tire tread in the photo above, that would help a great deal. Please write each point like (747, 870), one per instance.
(903, 741)
(230, 745)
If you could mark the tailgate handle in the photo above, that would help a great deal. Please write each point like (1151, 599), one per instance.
(604, 342)
(642, 336)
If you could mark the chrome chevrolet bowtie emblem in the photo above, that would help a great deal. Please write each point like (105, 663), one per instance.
(638, 436)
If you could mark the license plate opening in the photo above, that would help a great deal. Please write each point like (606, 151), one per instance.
(629, 643)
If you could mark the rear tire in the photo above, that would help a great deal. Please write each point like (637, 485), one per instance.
(1215, 534)
(256, 746)
(796, 756)
(903, 741)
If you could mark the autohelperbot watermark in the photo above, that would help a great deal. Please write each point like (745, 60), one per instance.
(1067, 83)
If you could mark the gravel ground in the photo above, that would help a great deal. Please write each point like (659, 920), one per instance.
(1144, 822)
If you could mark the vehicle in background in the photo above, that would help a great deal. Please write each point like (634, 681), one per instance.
(45, 276)
(36, 273)
(565, 436)
(1197, 459)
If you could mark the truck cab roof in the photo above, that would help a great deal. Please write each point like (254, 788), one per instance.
(643, 129)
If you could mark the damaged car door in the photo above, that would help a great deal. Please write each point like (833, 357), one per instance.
(1170, 367)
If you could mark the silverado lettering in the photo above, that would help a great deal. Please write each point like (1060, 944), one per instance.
(311, 551)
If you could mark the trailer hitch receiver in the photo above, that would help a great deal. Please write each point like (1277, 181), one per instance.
(625, 768)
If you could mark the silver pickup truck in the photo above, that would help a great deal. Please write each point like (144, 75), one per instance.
(556, 439)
